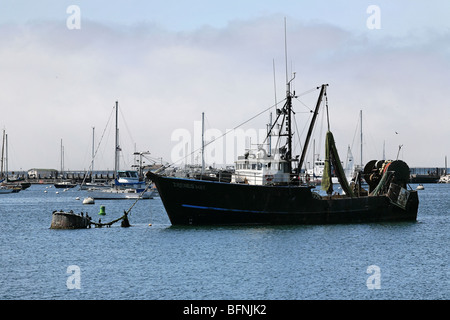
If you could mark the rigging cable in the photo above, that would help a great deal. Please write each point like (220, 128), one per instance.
(98, 146)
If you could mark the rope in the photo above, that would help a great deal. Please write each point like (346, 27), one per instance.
(125, 222)
(108, 224)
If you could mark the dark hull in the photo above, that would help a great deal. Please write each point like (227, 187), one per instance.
(196, 202)
(418, 178)
(68, 220)
(65, 185)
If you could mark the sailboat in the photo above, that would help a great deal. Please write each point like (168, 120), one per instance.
(63, 184)
(445, 177)
(268, 190)
(9, 184)
(3, 189)
(127, 183)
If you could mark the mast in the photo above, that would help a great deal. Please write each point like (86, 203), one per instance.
(93, 148)
(116, 147)
(269, 126)
(288, 124)
(360, 116)
(311, 126)
(93, 154)
(6, 157)
(445, 173)
(1, 159)
(62, 160)
(203, 143)
(288, 105)
(3, 153)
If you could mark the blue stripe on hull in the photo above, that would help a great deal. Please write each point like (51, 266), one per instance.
(220, 209)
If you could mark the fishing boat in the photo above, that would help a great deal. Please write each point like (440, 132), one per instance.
(278, 194)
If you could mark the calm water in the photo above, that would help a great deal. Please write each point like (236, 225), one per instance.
(164, 262)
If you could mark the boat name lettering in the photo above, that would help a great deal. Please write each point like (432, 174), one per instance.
(184, 185)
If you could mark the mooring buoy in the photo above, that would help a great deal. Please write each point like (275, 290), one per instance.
(102, 211)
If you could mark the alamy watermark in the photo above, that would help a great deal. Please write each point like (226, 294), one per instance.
(221, 147)
(374, 280)
(74, 278)
(73, 21)
(374, 20)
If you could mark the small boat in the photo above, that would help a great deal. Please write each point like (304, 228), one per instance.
(444, 179)
(420, 187)
(88, 200)
(127, 185)
(117, 194)
(65, 184)
(5, 190)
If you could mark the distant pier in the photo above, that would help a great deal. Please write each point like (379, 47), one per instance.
(51, 176)
(426, 175)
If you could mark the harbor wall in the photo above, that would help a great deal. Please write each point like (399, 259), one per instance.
(53, 176)
(418, 175)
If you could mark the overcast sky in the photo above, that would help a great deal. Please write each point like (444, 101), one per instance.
(166, 62)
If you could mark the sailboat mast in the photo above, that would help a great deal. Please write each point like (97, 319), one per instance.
(116, 147)
(203, 143)
(445, 165)
(62, 160)
(93, 147)
(3, 150)
(6, 157)
(360, 116)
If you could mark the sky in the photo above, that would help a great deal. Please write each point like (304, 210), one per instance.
(166, 62)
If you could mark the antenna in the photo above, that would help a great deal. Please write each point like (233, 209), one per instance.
(269, 128)
(274, 83)
(285, 49)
